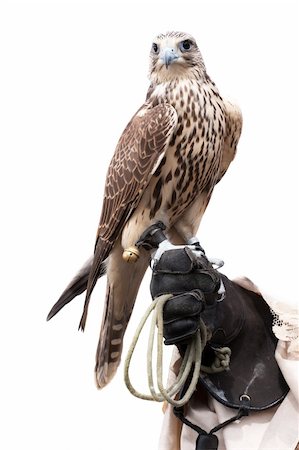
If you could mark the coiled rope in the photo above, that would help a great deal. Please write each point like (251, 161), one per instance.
(191, 359)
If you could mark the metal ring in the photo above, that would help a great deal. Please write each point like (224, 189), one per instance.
(244, 397)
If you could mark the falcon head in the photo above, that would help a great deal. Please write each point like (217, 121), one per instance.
(175, 55)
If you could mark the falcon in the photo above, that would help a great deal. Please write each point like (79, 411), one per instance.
(168, 160)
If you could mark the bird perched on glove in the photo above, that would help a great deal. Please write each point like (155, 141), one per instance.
(172, 153)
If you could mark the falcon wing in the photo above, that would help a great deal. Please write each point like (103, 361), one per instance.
(138, 154)
(233, 118)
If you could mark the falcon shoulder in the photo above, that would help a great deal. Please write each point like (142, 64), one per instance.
(137, 156)
(233, 122)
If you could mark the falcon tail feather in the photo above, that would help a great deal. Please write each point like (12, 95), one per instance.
(76, 287)
(123, 283)
(102, 251)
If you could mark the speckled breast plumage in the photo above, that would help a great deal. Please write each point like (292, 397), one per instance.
(192, 161)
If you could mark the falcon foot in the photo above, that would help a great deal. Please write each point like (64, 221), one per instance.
(152, 237)
(194, 242)
(165, 246)
(131, 254)
(195, 246)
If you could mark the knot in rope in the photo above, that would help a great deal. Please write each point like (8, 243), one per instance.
(221, 361)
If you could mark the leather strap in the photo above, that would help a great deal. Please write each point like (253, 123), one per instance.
(208, 440)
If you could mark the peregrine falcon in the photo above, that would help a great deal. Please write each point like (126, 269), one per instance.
(170, 156)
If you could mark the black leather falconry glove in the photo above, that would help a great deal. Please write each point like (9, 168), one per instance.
(190, 278)
(194, 284)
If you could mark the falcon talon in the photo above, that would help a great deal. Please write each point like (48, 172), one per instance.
(221, 292)
(198, 247)
(216, 262)
(194, 243)
(198, 253)
(131, 254)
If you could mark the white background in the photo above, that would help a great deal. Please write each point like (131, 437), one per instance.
(72, 74)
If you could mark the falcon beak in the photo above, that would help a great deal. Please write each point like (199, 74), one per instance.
(169, 56)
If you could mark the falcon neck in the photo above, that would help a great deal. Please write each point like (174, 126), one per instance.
(175, 90)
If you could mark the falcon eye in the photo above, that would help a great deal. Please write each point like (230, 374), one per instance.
(155, 48)
(186, 45)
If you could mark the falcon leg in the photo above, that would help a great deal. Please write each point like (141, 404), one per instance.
(155, 240)
(134, 229)
(188, 223)
(150, 239)
(131, 234)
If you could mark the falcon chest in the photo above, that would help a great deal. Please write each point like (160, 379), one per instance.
(191, 163)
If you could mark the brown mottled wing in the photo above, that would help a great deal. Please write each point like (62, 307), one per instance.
(233, 119)
(138, 153)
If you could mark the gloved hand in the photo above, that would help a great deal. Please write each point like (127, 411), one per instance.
(194, 284)
(181, 315)
(181, 270)
(186, 274)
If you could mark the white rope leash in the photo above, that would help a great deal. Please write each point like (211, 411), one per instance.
(192, 356)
